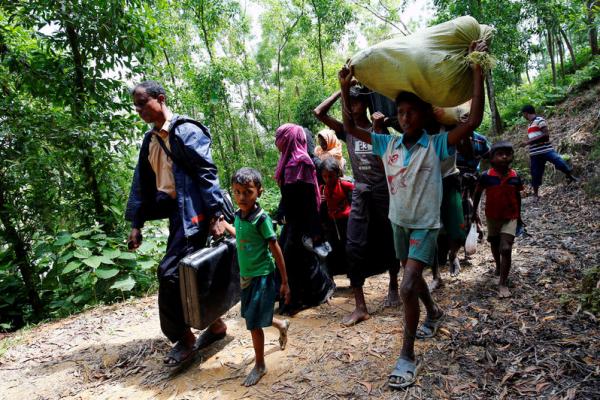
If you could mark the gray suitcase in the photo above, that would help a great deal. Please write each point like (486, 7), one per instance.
(210, 283)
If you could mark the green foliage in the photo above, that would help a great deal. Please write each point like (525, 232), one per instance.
(542, 93)
(590, 292)
(89, 267)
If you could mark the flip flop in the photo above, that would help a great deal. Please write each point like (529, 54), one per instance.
(179, 354)
(283, 336)
(429, 327)
(207, 338)
(404, 374)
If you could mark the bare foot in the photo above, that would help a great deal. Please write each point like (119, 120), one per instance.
(393, 298)
(435, 284)
(356, 317)
(503, 292)
(455, 267)
(283, 334)
(255, 375)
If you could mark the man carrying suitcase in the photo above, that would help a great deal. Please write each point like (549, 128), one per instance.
(189, 196)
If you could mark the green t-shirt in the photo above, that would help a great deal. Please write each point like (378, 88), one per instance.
(252, 235)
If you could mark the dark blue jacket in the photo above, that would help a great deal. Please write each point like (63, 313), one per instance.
(196, 183)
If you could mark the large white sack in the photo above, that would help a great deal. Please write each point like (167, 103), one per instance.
(430, 63)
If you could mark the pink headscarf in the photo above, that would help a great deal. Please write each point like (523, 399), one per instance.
(294, 163)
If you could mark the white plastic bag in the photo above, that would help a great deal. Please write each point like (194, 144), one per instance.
(471, 243)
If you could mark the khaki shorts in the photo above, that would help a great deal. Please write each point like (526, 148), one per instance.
(497, 226)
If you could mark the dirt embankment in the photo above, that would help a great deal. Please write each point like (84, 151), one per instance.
(537, 344)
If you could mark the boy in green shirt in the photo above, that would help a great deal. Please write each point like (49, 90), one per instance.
(254, 233)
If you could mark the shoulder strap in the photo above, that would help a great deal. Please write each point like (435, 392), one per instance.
(162, 144)
(261, 219)
(183, 120)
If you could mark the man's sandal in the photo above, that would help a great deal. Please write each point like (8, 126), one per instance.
(404, 374)
(178, 355)
(429, 328)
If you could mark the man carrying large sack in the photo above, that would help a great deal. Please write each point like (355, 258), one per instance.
(369, 247)
(191, 200)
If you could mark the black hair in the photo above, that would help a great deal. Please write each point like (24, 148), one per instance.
(408, 97)
(152, 88)
(330, 164)
(359, 93)
(245, 175)
(501, 145)
(528, 108)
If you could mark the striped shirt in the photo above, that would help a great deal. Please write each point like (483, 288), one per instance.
(535, 131)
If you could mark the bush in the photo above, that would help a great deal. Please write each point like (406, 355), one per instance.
(78, 270)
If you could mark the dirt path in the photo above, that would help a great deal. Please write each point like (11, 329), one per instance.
(536, 344)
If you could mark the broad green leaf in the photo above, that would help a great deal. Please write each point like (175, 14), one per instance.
(84, 243)
(124, 284)
(144, 265)
(65, 257)
(111, 253)
(93, 261)
(106, 260)
(80, 234)
(82, 253)
(146, 246)
(73, 265)
(62, 240)
(127, 256)
(106, 273)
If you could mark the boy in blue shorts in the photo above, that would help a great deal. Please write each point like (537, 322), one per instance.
(412, 168)
(255, 236)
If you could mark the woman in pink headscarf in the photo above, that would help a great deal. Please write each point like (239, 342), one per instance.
(296, 175)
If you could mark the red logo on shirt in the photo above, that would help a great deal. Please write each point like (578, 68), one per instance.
(397, 181)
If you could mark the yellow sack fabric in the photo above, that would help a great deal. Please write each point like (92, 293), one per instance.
(430, 63)
(452, 115)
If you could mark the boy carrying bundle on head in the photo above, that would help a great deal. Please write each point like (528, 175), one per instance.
(412, 167)
(502, 208)
(255, 236)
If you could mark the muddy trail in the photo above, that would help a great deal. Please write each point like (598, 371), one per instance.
(537, 344)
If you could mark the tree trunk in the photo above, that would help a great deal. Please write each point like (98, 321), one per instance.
(284, 39)
(279, 85)
(561, 55)
(77, 109)
(319, 42)
(592, 28)
(527, 74)
(200, 15)
(551, 55)
(26, 269)
(495, 115)
(570, 48)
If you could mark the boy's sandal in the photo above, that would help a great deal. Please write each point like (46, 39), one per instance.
(178, 355)
(283, 336)
(429, 328)
(404, 374)
(207, 338)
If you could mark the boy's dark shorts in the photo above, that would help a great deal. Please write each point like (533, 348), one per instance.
(258, 301)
